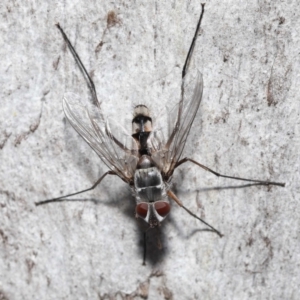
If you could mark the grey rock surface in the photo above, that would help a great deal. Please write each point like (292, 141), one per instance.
(248, 126)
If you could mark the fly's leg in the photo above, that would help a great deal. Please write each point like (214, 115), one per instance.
(262, 182)
(190, 53)
(81, 66)
(89, 81)
(73, 194)
(145, 248)
(184, 70)
(174, 197)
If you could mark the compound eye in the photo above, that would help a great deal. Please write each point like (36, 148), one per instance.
(162, 208)
(142, 210)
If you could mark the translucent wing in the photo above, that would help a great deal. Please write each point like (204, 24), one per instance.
(167, 152)
(117, 150)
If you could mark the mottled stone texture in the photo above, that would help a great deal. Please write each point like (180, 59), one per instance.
(248, 125)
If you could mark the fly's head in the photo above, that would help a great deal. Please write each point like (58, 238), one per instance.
(153, 212)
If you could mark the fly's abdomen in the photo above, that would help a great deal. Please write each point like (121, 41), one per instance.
(141, 128)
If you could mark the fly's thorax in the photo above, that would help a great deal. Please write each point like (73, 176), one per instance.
(152, 203)
(145, 162)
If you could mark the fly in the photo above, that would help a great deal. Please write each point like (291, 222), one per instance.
(146, 159)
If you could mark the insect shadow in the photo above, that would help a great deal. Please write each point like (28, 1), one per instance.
(147, 158)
